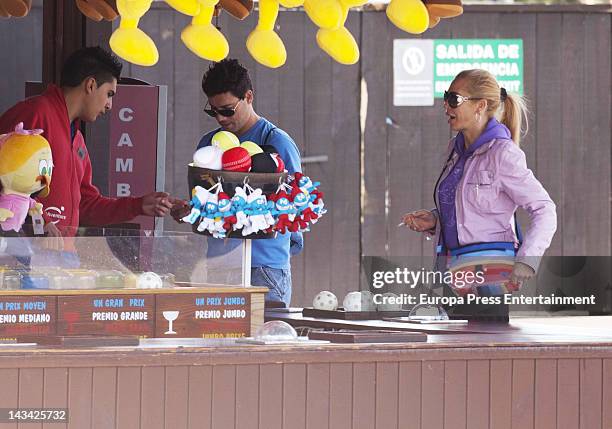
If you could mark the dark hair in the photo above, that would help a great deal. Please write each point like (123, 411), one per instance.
(227, 75)
(90, 62)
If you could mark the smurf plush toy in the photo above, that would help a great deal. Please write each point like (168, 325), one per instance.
(199, 197)
(26, 166)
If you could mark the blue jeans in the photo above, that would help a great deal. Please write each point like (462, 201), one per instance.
(277, 280)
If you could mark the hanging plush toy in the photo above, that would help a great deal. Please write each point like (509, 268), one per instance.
(338, 42)
(408, 15)
(199, 197)
(264, 45)
(258, 212)
(202, 38)
(228, 216)
(239, 9)
(26, 166)
(442, 9)
(16, 8)
(324, 13)
(209, 213)
(128, 41)
(187, 7)
(284, 212)
(239, 202)
(106, 8)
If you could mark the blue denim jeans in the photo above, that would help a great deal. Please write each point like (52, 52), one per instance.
(277, 280)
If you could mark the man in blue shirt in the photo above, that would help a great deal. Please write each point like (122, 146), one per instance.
(229, 90)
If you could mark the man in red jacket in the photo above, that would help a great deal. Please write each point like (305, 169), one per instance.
(88, 83)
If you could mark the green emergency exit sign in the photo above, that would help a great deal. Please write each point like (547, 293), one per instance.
(502, 57)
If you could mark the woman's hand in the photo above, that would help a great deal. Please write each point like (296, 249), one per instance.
(420, 220)
(521, 273)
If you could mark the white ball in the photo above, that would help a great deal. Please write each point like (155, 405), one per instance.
(359, 301)
(367, 301)
(389, 306)
(325, 300)
(352, 301)
(149, 280)
(208, 157)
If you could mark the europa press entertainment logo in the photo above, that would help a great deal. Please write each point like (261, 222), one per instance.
(55, 213)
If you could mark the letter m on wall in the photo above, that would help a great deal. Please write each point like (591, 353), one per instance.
(124, 165)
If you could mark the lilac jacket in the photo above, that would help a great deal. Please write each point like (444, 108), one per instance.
(495, 182)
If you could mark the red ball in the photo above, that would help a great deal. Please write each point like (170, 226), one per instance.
(236, 159)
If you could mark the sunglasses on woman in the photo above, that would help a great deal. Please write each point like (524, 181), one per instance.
(226, 111)
(455, 100)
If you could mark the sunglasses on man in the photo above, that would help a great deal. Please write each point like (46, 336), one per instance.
(226, 111)
(455, 100)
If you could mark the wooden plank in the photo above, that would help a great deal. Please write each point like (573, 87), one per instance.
(607, 393)
(55, 393)
(435, 134)
(345, 173)
(513, 26)
(104, 397)
(576, 207)
(317, 395)
(387, 406)
(523, 393)
(200, 397)
(176, 402)
(30, 391)
(270, 396)
(432, 389)
(596, 132)
(248, 396)
(500, 399)
(152, 408)
(478, 394)
(185, 115)
(568, 393)
(294, 396)
(549, 164)
(9, 394)
(409, 395)
(364, 396)
(224, 397)
(318, 116)
(376, 74)
(340, 395)
(455, 398)
(129, 382)
(291, 116)
(80, 397)
(545, 394)
(591, 372)
(404, 146)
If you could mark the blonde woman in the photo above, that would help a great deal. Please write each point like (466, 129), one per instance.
(485, 178)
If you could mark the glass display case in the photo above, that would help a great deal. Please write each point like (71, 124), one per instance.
(127, 283)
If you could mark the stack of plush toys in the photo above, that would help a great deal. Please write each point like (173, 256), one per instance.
(26, 166)
(263, 43)
(293, 207)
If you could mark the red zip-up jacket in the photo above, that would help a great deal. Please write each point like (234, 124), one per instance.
(73, 199)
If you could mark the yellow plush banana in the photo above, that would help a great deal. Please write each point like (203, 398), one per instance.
(324, 13)
(338, 42)
(291, 3)
(202, 38)
(409, 15)
(187, 7)
(263, 43)
(130, 42)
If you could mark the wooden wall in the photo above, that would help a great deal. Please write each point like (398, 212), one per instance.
(381, 386)
(371, 179)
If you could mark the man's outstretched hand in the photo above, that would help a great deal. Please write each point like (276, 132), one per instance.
(158, 203)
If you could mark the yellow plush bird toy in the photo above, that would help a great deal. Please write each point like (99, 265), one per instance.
(130, 42)
(26, 166)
